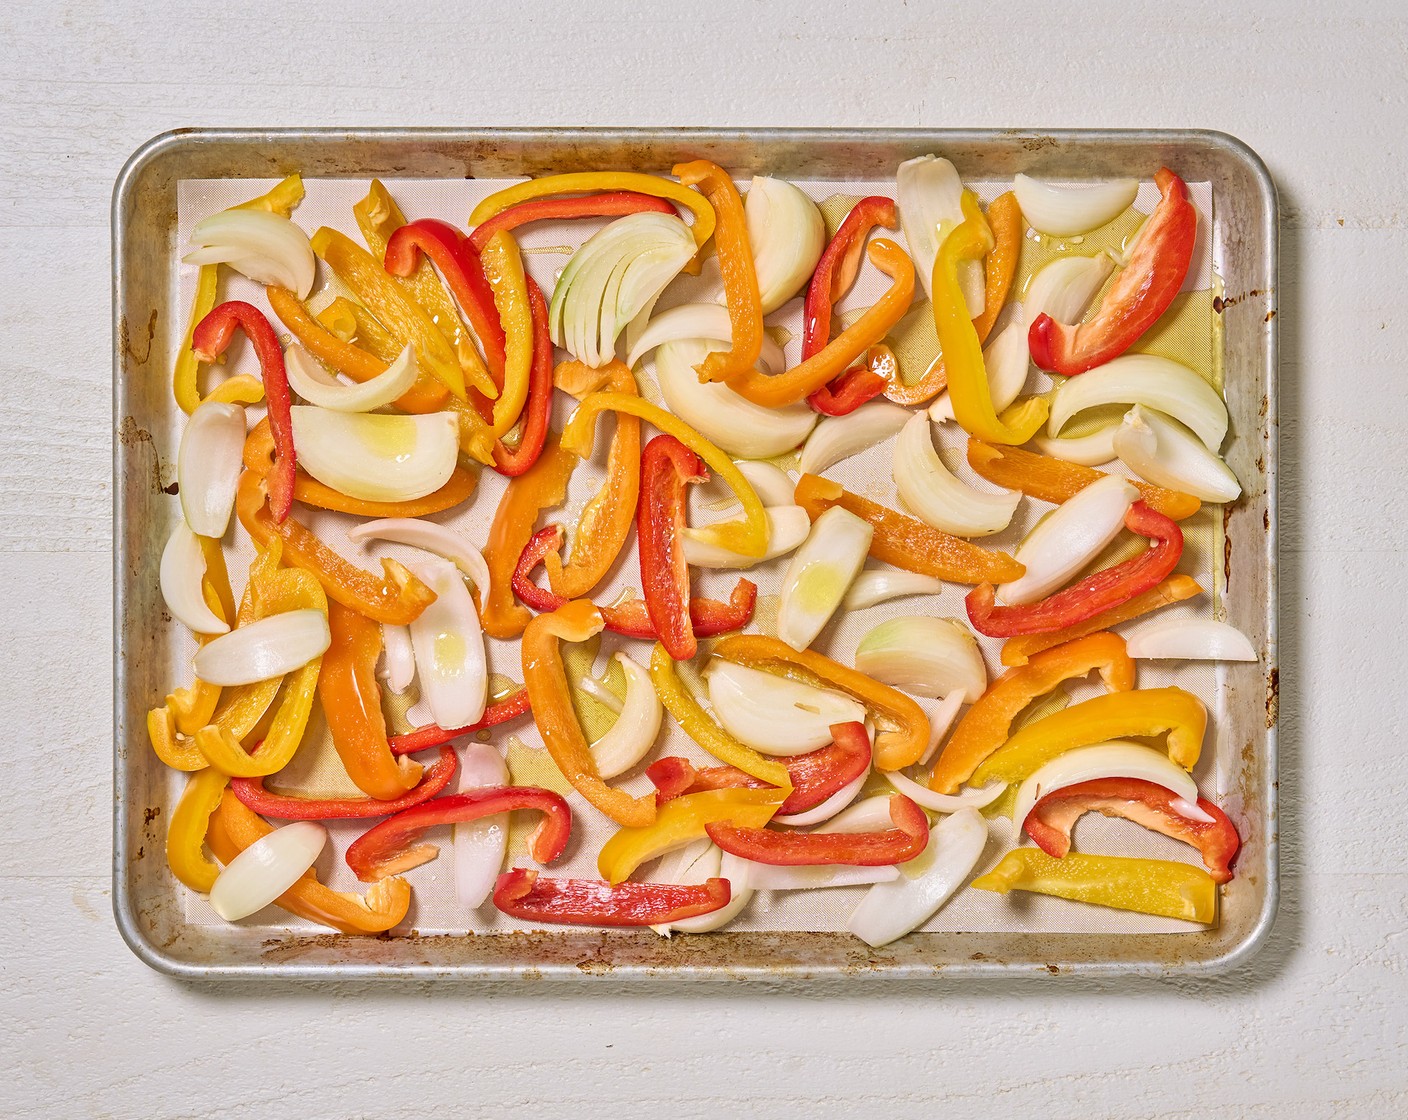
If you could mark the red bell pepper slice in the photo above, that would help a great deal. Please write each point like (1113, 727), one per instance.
(391, 847)
(906, 840)
(538, 410)
(210, 339)
(1096, 593)
(1051, 819)
(1158, 262)
(593, 902)
(612, 204)
(433, 735)
(289, 807)
(666, 467)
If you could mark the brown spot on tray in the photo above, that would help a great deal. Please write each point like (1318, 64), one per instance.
(1054, 969)
(1220, 302)
(1269, 316)
(130, 434)
(1273, 697)
(151, 814)
(124, 339)
(1226, 548)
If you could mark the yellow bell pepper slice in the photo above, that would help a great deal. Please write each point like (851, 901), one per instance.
(1146, 886)
(190, 820)
(681, 820)
(503, 268)
(355, 325)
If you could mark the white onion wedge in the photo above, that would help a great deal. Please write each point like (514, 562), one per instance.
(398, 658)
(929, 195)
(773, 485)
(264, 649)
(818, 814)
(879, 585)
(788, 527)
(890, 910)
(1066, 211)
(208, 465)
(869, 815)
(449, 646)
(601, 694)
(695, 320)
(181, 576)
(710, 863)
(376, 457)
(1166, 453)
(787, 234)
(316, 386)
(926, 798)
(926, 656)
(1115, 759)
(735, 424)
(1188, 639)
(941, 716)
(479, 846)
(1154, 382)
(1069, 538)
(1094, 450)
(939, 499)
(775, 715)
(1007, 360)
(1064, 288)
(266, 247)
(840, 437)
(418, 533)
(266, 869)
(779, 877)
(820, 574)
(635, 729)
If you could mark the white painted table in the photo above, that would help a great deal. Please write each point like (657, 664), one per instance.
(1317, 1025)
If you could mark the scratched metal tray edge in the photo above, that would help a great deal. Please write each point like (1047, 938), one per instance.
(143, 217)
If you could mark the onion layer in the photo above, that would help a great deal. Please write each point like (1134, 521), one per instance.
(398, 658)
(266, 247)
(1188, 639)
(635, 729)
(480, 846)
(878, 585)
(316, 386)
(1068, 211)
(788, 527)
(449, 646)
(1064, 288)
(1157, 383)
(840, 437)
(1007, 360)
(1094, 450)
(1167, 454)
(939, 499)
(773, 485)
(697, 864)
(926, 656)
(828, 808)
(418, 533)
(208, 466)
(695, 320)
(774, 877)
(266, 869)
(775, 715)
(819, 575)
(264, 649)
(787, 234)
(944, 802)
(376, 457)
(929, 195)
(182, 573)
(1115, 759)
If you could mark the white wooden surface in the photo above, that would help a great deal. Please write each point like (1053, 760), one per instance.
(1317, 1025)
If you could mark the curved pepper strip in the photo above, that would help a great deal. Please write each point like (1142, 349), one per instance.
(1116, 715)
(190, 820)
(680, 821)
(1107, 588)
(1051, 819)
(748, 536)
(700, 727)
(590, 902)
(776, 390)
(612, 204)
(667, 467)
(290, 807)
(1055, 480)
(906, 542)
(907, 839)
(988, 723)
(858, 384)
(233, 828)
(551, 698)
(1158, 263)
(391, 847)
(433, 735)
(968, 386)
(1021, 649)
(1146, 886)
(396, 599)
(902, 732)
(353, 323)
(211, 338)
(512, 462)
(740, 275)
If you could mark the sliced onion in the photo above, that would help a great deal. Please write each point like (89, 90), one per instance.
(840, 437)
(266, 247)
(890, 910)
(941, 717)
(1007, 360)
(208, 466)
(828, 808)
(1115, 759)
(787, 234)
(923, 655)
(1069, 538)
(181, 576)
(266, 869)
(929, 194)
(1094, 450)
(869, 815)
(398, 658)
(936, 497)
(1188, 639)
(773, 485)
(698, 868)
(1167, 454)
(264, 649)
(449, 646)
(779, 877)
(775, 715)
(819, 575)
(879, 585)
(1154, 382)
(737, 425)
(695, 320)
(316, 386)
(601, 694)
(434, 538)
(635, 729)
(1068, 211)
(788, 527)
(480, 846)
(1064, 288)
(376, 457)
(944, 802)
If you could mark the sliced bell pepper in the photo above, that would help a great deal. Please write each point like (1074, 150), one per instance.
(1116, 715)
(1055, 480)
(590, 902)
(673, 776)
(860, 383)
(190, 820)
(353, 323)
(548, 692)
(612, 204)
(1158, 262)
(1107, 588)
(907, 839)
(503, 267)
(233, 828)
(836, 271)
(291, 807)
(906, 542)
(1146, 886)
(988, 723)
(211, 338)
(391, 847)
(433, 735)
(533, 434)
(396, 599)
(680, 821)
(1051, 819)
(902, 728)
(667, 466)
(968, 386)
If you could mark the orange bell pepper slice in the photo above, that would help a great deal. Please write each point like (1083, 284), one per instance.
(987, 724)
(353, 323)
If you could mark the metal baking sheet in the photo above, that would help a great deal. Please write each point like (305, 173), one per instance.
(148, 303)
